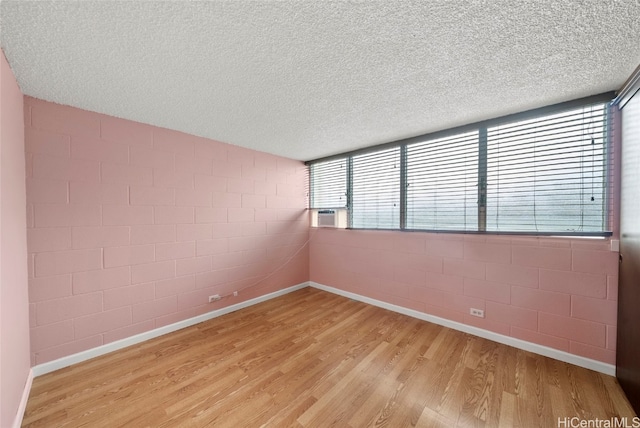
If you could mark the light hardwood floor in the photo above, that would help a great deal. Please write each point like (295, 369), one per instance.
(315, 359)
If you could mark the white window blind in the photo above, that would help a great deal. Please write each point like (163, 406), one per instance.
(548, 174)
(329, 184)
(442, 183)
(376, 190)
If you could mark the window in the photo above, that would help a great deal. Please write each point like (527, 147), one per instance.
(442, 183)
(376, 190)
(540, 172)
(329, 184)
(548, 174)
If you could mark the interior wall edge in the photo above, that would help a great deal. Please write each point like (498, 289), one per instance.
(588, 363)
(23, 401)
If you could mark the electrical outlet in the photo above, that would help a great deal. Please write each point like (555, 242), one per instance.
(235, 293)
(214, 298)
(476, 312)
(615, 245)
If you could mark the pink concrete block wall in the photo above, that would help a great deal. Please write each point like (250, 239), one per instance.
(555, 292)
(14, 313)
(132, 227)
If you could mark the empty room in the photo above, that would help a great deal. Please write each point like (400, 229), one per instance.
(319, 214)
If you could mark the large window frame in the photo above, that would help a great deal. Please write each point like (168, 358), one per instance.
(482, 130)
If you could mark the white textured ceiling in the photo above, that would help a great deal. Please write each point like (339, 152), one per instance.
(305, 79)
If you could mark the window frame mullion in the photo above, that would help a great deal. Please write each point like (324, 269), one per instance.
(403, 187)
(349, 191)
(608, 160)
(482, 179)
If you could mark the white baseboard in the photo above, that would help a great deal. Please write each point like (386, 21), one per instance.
(50, 366)
(566, 357)
(577, 360)
(23, 400)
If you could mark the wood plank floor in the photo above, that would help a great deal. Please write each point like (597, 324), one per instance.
(314, 359)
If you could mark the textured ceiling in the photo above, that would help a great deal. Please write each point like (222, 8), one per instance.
(305, 79)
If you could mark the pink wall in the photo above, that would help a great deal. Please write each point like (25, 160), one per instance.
(14, 306)
(555, 292)
(131, 227)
